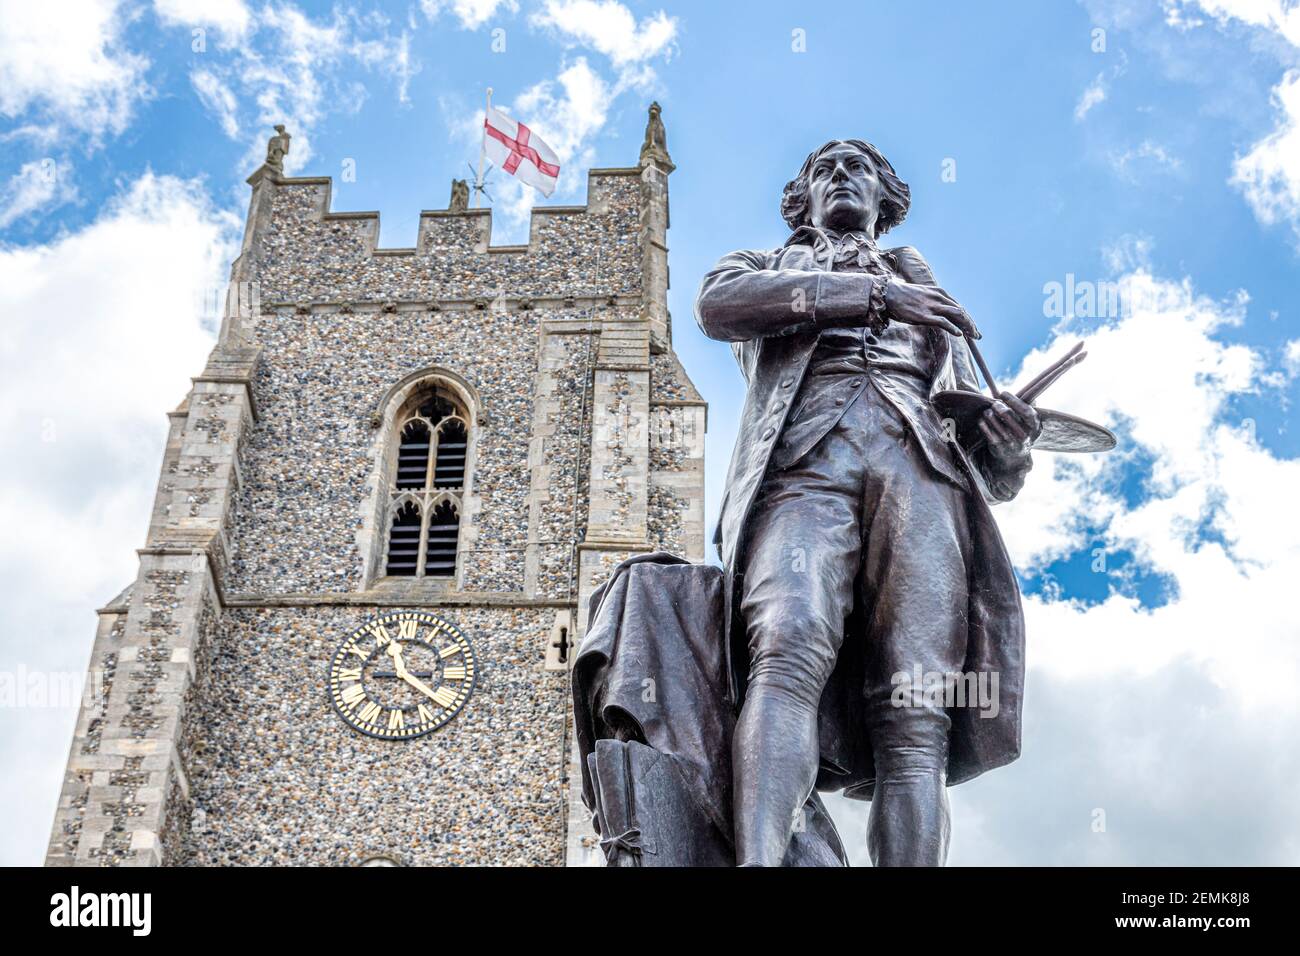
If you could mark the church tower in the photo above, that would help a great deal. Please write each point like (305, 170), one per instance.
(382, 510)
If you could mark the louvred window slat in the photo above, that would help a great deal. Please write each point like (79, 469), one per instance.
(404, 540)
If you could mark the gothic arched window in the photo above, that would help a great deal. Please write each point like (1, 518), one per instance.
(428, 481)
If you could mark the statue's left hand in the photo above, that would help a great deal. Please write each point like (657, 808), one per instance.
(1010, 425)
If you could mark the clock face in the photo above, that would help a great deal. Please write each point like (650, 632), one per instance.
(402, 675)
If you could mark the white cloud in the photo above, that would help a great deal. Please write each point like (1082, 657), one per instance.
(36, 185)
(1173, 405)
(219, 100)
(1179, 18)
(391, 56)
(609, 27)
(1172, 768)
(230, 17)
(472, 14)
(102, 332)
(1173, 719)
(1269, 173)
(1098, 90)
(1291, 359)
(1282, 16)
(286, 84)
(1146, 153)
(568, 117)
(70, 71)
(290, 68)
(1094, 94)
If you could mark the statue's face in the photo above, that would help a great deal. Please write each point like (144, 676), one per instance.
(844, 190)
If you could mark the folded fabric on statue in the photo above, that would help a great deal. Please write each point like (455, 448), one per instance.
(654, 723)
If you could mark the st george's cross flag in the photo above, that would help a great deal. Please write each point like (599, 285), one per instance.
(512, 146)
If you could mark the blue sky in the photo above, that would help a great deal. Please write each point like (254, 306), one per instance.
(1154, 144)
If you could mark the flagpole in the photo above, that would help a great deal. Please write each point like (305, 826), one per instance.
(482, 150)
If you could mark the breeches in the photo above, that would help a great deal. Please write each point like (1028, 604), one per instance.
(863, 520)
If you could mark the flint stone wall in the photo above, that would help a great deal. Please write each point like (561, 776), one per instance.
(214, 740)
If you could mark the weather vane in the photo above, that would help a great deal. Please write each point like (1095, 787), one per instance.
(480, 183)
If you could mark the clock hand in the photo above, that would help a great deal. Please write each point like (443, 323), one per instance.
(419, 685)
(399, 665)
(393, 673)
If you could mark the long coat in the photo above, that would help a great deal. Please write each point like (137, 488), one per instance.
(771, 307)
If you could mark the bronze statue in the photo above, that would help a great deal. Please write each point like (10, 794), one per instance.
(867, 619)
(277, 148)
(842, 463)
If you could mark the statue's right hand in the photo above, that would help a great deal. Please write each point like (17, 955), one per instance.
(927, 305)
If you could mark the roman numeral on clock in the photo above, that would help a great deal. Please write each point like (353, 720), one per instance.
(444, 697)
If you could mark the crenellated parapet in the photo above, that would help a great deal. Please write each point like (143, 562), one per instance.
(302, 251)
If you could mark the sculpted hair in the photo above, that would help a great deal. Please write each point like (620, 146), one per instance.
(895, 196)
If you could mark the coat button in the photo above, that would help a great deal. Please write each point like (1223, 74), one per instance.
(787, 383)
(855, 383)
(873, 355)
(839, 401)
(768, 434)
(778, 406)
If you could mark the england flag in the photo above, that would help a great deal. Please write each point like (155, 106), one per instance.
(512, 146)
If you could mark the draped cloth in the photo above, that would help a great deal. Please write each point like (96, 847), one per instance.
(654, 722)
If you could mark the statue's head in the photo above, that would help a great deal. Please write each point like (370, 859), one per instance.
(846, 185)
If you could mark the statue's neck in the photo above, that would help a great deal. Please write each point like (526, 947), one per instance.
(836, 235)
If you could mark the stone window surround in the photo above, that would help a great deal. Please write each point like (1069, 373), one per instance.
(388, 418)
